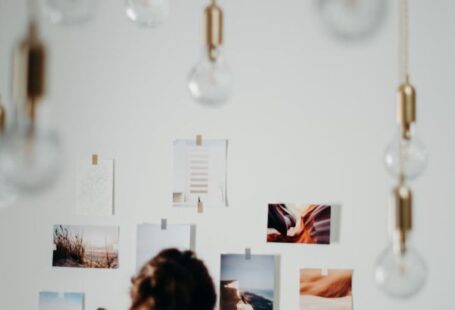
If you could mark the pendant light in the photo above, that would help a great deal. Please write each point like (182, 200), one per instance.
(149, 13)
(351, 20)
(29, 152)
(210, 81)
(401, 272)
(71, 11)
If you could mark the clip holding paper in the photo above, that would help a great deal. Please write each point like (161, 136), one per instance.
(200, 205)
(61, 295)
(324, 272)
(248, 254)
(199, 140)
(94, 159)
(163, 224)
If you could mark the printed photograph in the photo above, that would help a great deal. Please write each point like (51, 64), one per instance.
(152, 239)
(247, 284)
(199, 173)
(64, 301)
(290, 223)
(332, 291)
(85, 246)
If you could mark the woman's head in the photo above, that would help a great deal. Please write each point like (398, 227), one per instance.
(173, 280)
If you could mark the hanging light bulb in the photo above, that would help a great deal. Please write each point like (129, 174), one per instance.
(150, 13)
(210, 81)
(71, 11)
(29, 152)
(400, 270)
(406, 154)
(352, 19)
(7, 193)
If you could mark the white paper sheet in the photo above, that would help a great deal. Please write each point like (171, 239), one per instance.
(200, 173)
(95, 188)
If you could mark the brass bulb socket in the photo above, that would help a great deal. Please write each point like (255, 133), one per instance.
(406, 108)
(29, 80)
(213, 29)
(402, 216)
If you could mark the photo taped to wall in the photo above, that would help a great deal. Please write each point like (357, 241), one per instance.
(325, 291)
(200, 173)
(291, 223)
(85, 246)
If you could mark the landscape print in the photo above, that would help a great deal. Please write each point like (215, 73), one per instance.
(292, 223)
(85, 246)
(56, 301)
(247, 283)
(332, 291)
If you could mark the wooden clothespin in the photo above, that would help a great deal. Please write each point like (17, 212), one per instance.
(163, 224)
(200, 205)
(248, 254)
(94, 159)
(199, 140)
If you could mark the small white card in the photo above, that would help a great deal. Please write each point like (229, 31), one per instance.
(95, 188)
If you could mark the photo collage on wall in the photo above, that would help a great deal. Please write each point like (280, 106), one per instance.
(247, 282)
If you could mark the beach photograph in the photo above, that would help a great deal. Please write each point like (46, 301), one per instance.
(60, 301)
(331, 291)
(199, 173)
(291, 223)
(85, 246)
(152, 239)
(247, 283)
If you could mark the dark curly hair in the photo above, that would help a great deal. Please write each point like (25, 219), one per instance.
(173, 280)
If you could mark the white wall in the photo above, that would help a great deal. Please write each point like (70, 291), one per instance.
(308, 122)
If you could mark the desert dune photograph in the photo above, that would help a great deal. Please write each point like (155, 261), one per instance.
(331, 291)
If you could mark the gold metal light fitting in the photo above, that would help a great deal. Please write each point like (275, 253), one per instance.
(213, 29)
(402, 214)
(30, 70)
(406, 108)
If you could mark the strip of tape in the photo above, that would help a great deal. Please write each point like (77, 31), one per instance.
(247, 253)
(199, 140)
(200, 206)
(163, 224)
(94, 159)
